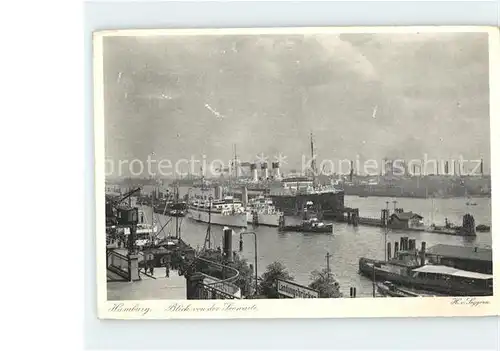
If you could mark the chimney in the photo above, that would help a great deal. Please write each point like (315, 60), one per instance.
(264, 170)
(218, 192)
(255, 174)
(244, 197)
(276, 170)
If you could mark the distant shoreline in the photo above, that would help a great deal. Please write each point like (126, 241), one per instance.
(423, 197)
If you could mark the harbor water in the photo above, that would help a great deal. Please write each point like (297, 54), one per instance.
(302, 253)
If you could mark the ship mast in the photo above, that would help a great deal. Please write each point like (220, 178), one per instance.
(235, 163)
(208, 236)
(313, 161)
(176, 201)
(235, 180)
(153, 193)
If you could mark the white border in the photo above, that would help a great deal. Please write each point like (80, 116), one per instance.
(290, 308)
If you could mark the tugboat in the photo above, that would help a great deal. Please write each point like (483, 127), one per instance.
(312, 225)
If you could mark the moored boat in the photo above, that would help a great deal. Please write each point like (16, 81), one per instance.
(261, 211)
(390, 289)
(441, 279)
(483, 228)
(177, 209)
(227, 212)
(312, 225)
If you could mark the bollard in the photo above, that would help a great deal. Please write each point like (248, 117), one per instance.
(411, 244)
(422, 253)
(355, 218)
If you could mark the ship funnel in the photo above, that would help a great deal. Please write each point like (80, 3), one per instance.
(422, 253)
(244, 197)
(351, 172)
(276, 170)
(255, 175)
(264, 170)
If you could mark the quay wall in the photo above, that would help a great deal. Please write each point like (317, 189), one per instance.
(376, 222)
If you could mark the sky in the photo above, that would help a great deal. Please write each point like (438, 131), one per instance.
(363, 96)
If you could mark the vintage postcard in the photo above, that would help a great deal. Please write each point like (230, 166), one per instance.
(296, 172)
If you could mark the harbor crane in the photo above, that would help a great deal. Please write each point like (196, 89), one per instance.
(112, 205)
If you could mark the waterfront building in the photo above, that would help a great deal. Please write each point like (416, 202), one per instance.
(405, 220)
(474, 259)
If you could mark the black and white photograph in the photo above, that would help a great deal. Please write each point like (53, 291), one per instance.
(304, 166)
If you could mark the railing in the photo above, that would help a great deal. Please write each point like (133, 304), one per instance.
(210, 292)
(214, 288)
(222, 286)
(118, 263)
(228, 269)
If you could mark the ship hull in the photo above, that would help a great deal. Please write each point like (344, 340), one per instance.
(238, 220)
(331, 204)
(271, 220)
(307, 229)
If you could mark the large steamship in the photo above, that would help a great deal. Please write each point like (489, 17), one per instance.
(298, 193)
(293, 194)
(208, 205)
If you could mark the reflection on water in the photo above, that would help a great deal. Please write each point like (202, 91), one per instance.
(303, 253)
